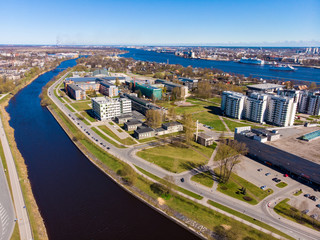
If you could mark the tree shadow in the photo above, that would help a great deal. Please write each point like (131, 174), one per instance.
(191, 166)
(90, 113)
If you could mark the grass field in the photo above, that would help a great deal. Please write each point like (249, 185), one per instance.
(106, 138)
(84, 120)
(209, 119)
(293, 214)
(67, 106)
(81, 106)
(232, 124)
(297, 193)
(233, 186)
(249, 219)
(126, 141)
(172, 158)
(204, 178)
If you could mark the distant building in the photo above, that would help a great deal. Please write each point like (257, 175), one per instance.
(232, 104)
(190, 83)
(76, 92)
(144, 132)
(101, 73)
(142, 105)
(107, 108)
(123, 118)
(264, 88)
(149, 91)
(108, 89)
(170, 86)
(172, 127)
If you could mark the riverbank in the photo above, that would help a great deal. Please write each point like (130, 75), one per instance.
(36, 221)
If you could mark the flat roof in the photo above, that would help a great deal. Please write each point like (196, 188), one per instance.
(144, 129)
(264, 86)
(285, 160)
(74, 87)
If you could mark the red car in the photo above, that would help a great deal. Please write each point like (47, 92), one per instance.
(286, 175)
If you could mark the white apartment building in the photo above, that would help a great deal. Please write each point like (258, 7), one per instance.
(314, 105)
(232, 104)
(108, 108)
(255, 107)
(281, 111)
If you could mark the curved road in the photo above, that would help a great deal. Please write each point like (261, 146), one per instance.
(260, 211)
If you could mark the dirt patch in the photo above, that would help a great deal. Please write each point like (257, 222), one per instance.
(183, 104)
(226, 227)
(161, 201)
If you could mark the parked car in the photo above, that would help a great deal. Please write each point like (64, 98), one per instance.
(182, 179)
(307, 195)
(274, 179)
(263, 187)
(285, 175)
(318, 205)
(108, 148)
(305, 211)
(267, 174)
(314, 215)
(259, 169)
(278, 180)
(313, 198)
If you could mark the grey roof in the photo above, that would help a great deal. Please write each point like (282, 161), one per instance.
(133, 122)
(204, 136)
(74, 87)
(264, 86)
(188, 80)
(82, 79)
(171, 124)
(144, 129)
(160, 129)
(107, 84)
(124, 116)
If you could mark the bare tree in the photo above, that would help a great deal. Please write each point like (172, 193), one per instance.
(188, 127)
(154, 118)
(228, 155)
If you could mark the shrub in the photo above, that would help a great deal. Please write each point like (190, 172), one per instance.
(247, 198)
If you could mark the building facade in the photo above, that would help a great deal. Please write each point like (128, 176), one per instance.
(107, 108)
(232, 104)
(281, 111)
(255, 107)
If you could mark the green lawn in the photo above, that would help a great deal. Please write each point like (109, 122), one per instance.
(204, 178)
(249, 219)
(172, 158)
(84, 120)
(180, 189)
(235, 183)
(215, 100)
(209, 119)
(232, 124)
(71, 109)
(293, 214)
(106, 138)
(126, 141)
(89, 117)
(81, 106)
(281, 185)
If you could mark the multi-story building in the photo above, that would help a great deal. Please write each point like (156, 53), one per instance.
(108, 89)
(170, 86)
(190, 83)
(149, 91)
(314, 105)
(108, 108)
(76, 92)
(255, 107)
(281, 111)
(232, 104)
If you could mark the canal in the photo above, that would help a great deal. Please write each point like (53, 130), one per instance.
(76, 200)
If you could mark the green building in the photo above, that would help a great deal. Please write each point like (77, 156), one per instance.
(149, 91)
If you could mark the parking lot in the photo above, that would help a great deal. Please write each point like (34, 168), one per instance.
(250, 170)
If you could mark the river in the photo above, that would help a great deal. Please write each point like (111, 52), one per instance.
(76, 200)
(301, 74)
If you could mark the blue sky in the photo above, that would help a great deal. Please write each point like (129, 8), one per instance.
(162, 22)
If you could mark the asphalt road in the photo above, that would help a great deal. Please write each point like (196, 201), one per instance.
(7, 214)
(260, 211)
(19, 204)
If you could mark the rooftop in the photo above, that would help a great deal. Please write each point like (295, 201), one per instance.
(264, 86)
(171, 124)
(144, 129)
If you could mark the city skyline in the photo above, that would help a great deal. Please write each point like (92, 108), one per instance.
(214, 23)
